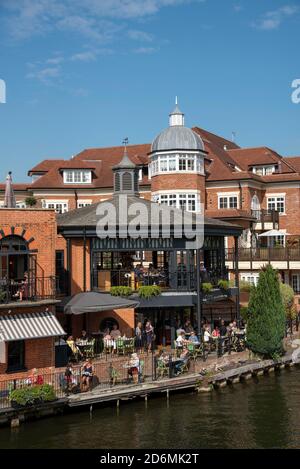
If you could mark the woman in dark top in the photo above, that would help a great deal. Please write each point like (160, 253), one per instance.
(87, 375)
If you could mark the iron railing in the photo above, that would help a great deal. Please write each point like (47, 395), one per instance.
(267, 254)
(35, 289)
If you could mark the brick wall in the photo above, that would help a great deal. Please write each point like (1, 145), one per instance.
(124, 317)
(77, 263)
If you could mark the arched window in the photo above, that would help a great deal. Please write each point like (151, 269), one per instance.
(13, 243)
(255, 206)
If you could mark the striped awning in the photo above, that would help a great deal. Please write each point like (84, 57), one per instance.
(29, 326)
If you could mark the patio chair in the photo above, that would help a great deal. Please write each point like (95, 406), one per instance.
(90, 349)
(120, 346)
(161, 369)
(192, 351)
(129, 346)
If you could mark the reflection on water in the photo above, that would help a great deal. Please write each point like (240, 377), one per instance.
(260, 414)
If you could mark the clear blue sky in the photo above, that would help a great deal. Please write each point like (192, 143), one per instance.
(86, 73)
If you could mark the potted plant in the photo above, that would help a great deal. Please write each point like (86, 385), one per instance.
(147, 291)
(206, 287)
(223, 285)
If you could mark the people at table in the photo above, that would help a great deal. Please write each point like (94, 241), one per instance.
(134, 367)
(149, 330)
(87, 373)
(181, 340)
(179, 330)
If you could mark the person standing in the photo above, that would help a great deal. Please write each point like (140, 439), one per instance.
(149, 329)
(139, 336)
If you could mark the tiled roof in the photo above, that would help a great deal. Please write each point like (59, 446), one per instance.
(294, 161)
(44, 166)
(17, 187)
(246, 157)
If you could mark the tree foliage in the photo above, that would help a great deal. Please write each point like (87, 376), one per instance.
(287, 295)
(266, 315)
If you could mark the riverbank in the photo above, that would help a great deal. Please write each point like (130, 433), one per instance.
(206, 376)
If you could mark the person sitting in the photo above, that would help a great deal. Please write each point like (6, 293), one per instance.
(75, 350)
(134, 367)
(179, 330)
(181, 341)
(84, 336)
(181, 362)
(194, 339)
(234, 327)
(109, 343)
(23, 290)
(188, 326)
(70, 379)
(87, 374)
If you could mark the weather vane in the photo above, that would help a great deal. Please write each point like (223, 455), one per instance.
(125, 141)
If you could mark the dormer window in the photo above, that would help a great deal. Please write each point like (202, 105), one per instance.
(264, 170)
(77, 176)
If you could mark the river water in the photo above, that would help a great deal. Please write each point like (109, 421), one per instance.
(264, 413)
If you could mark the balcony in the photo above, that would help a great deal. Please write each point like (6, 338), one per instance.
(267, 254)
(265, 219)
(21, 292)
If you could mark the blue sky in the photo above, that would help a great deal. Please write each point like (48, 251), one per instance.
(87, 73)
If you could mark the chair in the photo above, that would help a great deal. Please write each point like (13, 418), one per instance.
(129, 345)
(192, 350)
(120, 346)
(90, 349)
(161, 369)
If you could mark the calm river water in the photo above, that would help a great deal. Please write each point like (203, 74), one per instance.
(260, 414)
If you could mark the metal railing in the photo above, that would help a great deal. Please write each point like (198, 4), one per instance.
(181, 279)
(266, 216)
(279, 253)
(36, 289)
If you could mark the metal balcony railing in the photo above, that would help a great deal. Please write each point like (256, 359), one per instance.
(266, 216)
(36, 289)
(267, 254)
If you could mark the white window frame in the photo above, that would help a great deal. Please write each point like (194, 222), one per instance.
(184, 200)
(169, 163)
(296, 282)
(250, 277)
(264, 170)
(54, 204)
(83, 203)
(77, 176)
(227, 197)
(276, 202)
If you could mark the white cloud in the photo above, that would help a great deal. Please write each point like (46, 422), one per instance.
(272, 19)
(94, 19)
(87, 56)
(45, 75)
(140, 35)
(145, 50)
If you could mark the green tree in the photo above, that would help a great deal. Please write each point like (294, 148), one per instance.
(266, 315)
(30, 201)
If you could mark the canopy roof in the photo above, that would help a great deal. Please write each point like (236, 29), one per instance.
(92, 302)
(268, 234)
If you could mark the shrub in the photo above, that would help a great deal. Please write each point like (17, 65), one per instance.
(287, 295)
(266, 315)
(244, 313)
(33, 395)
(121, 291)
(207, 287)
(30, 201)
(147, 291)
(223, 284)
(246, 286)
